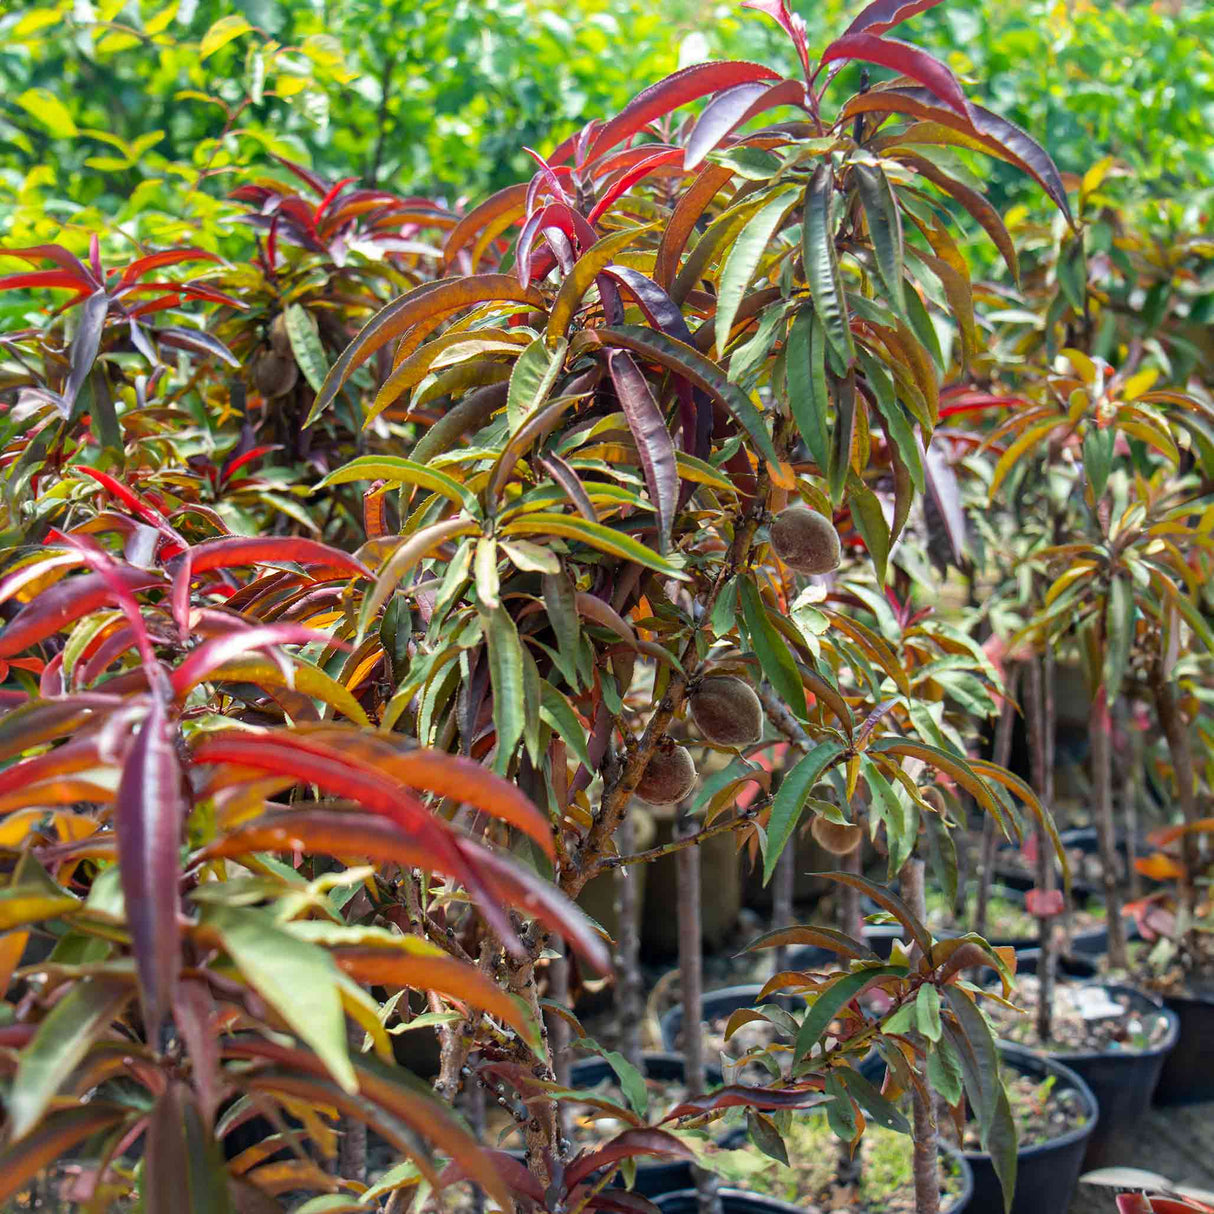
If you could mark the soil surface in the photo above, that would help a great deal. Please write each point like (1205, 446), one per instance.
(1085, 1019)
(1043, 1110)
(817, 1179)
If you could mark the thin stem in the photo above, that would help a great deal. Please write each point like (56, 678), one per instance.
(1176, 732)
(1037, 705)
(630, 991)
(1102, 780)
(926, 1140)
(1002, 752)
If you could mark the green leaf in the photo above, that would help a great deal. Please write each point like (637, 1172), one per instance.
(305, 345)
(884, 228)
(944, 1071)
(840, 467)
(822, 262)
(791, 796)
(744, 257)
(927, 1011)
(1003, 1145)
(766, 1137)
(831, 1000)
(870, 521)
(532, 378)
(33, 895)
(632, 1082)
(772, 650)
(43, 106)
(506, 679)
(221, 33)
(840, 1112)
(897, 426)
(298, 980)
(560, 602)
(805, 383)
(871, 1101)
(605, 539)
(402, 472)
(62, 1040)
(558, 714)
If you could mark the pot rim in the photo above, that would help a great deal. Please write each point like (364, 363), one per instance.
(1012, 1052)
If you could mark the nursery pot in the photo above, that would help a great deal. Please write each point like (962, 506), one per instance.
(1046, 1174)
(1188, 1071)
(1122, 1081)
(738, 1201)
(654, 1176)
(721, 1003)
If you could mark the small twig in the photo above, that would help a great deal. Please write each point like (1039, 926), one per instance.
(684, 841)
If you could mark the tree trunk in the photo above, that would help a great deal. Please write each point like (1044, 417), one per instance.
(630, 990)
(352, 1149)
(1102, 778)
(691, 979)
(558, 1029)
(1133, 797)
(1002, 752)
(926, 1141)
(1176, 731)
(1039, 710)
(851, 920)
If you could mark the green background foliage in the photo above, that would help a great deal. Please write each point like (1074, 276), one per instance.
(130, 113)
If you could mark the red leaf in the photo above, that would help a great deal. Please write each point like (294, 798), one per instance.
(791, 23)
(344, 834)
(689, 84)
(632, 176)
(148, 820)
(626, 1146)
(130, 499)
(167, 257)
(229, 470)
(66, 602)
(327, 200)
(942, 485)
(229, 552)
(904, 58)
(59, 255)
(309, 762)
(1044, 903)
(882, 15)
(59, 279)
(214, 654)
(510, 199)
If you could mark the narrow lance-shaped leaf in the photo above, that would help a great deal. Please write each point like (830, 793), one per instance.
(744, 257)
(904, 58)
(53, 1141)
(305, 345)
(822, 262)
(506, 678)
(534, 373)
(61, 1041)
(791, 796)
(86, 343)
(148, 819)
(884, 227)
(297, 979)
(830, 1002)
(771, 649)
(654, 445)
(805, 381)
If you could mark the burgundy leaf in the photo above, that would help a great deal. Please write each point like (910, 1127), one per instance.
(654, 445)
(1004, 139)
(904, 58)
(65, 602)
(195, 341)
(314, 182)
(738, 1095)
(678, 89)
(946, 493)
(660, 310)
(882, 15)
(626, 1146)
(568, 480)
(148, 819)
(732, 109)
(327, 201)
(45, 278)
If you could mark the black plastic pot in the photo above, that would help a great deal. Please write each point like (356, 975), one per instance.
(1046, 1174)
(658, 1175)
(1188, 1072)
(720, 1003)
(738, 1201)
(1122, 1082)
